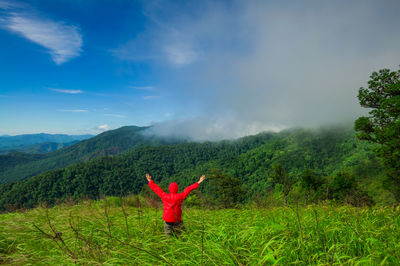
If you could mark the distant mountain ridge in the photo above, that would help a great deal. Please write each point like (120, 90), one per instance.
(39, 148)
(112, 142)
(21, 142)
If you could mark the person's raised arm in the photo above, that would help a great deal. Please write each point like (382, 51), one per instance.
(192, 187)
(201, 179)
(155, 187)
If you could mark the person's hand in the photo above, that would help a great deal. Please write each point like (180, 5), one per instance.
(148, 177)
(201, 179)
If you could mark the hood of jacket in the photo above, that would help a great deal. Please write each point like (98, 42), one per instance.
(173, 188)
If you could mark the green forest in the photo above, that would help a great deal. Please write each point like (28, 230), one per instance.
(328, 163)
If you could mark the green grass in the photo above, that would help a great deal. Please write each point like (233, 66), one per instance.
(318, 235)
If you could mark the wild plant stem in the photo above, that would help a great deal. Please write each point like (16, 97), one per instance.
(125, 216)
(298, 219)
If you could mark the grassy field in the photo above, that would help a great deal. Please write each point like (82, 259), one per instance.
(103, 232)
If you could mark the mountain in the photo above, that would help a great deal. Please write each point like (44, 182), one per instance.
(249, 160)
(20, 141)
(39, 148)
(111, 142)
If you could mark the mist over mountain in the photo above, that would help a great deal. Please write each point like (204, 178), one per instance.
(255, 66)
(202, 129)
(207, 129)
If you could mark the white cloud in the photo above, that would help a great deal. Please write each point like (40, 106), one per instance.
(165, 46)
(63, 41)
(73, 110)
(150, 97)
(144, 88)
(115, 115)
(67, 91)
(141, 49)
(8, 4)
(104, 127)
(173, 53)
(179, 54)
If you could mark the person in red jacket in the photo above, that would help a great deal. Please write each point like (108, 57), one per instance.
(172, 201)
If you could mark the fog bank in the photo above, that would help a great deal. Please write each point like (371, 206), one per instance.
(251, 66)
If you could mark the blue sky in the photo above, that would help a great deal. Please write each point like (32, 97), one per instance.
(208, 69)
(59, 73)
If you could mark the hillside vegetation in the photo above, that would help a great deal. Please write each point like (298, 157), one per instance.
(344, 168)
(122, 232)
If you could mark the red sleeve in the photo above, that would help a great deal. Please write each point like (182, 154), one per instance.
(156, 189)
(189, 189)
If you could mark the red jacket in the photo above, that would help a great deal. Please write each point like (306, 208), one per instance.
(172, 201)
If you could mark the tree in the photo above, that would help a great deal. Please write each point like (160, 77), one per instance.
(343, 188)
(310, 180)
(281, 176)
(383, 125)
(226, 190)
(313, 183)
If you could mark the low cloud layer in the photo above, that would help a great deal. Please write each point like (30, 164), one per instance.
(102, 128)
(249, 66)
(205, 128)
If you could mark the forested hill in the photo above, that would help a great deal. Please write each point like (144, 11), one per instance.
(247, 160)
(19, 166)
